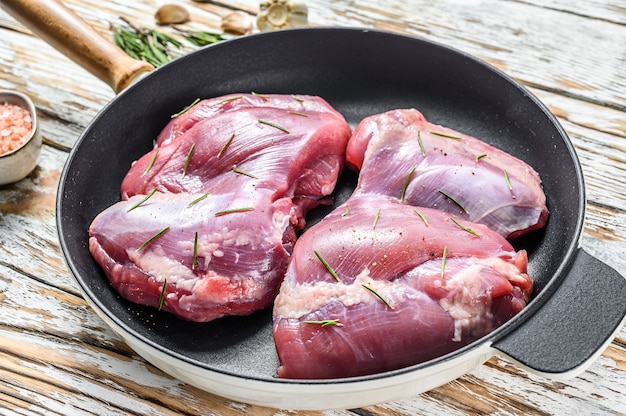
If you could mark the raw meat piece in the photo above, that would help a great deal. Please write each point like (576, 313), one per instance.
(385, 245)
(240, 257)
(489, 186)
(295, 150)
(279, 154)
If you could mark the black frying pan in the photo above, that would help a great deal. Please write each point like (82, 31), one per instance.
(579, 302)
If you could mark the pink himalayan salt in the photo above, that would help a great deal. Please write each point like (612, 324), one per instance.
(15, 127)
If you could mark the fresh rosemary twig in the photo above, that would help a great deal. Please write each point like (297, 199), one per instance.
(145, 44)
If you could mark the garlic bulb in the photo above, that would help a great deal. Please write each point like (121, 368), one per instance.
(281, 14)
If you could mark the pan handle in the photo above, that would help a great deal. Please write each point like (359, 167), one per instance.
(72, 36)
(574, 326)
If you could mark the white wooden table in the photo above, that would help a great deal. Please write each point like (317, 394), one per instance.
(58, 357)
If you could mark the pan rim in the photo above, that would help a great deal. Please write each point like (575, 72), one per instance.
(533, 306)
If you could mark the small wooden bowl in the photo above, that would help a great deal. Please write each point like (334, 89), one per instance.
(18, 163)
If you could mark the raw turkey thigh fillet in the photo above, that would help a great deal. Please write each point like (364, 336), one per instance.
(210, 215)
(410, 287)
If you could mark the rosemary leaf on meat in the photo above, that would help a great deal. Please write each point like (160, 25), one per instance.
(453, 200)
(436, 133)
(153, 238)
(162, 297)
(508, 181)
(345, 212)
(256, 94)
(325, 322)
(151, 162)
(276, 126)
(297, 113)
(383, 300)
(243, 172)
(469, 230)
(406, 183)
(223, 149)
(142, 200)
(227, 100)
(481, 156)
(327, 266)
(193, 146)
(233, 211)
(298, 99)
(421, 216)
(194, 262)
(376, 218)
(443, 260)
(419, 141)
(198, 199)
(187, 108)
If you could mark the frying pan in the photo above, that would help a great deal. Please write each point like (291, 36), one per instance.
(578, 305)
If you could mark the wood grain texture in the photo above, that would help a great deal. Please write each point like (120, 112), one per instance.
(58, 357)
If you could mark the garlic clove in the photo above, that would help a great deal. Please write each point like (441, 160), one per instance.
(238, 23)
(171, 14)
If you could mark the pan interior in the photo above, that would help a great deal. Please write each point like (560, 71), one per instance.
(359, 72)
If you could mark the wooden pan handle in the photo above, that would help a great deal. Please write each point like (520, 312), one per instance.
(72, 36)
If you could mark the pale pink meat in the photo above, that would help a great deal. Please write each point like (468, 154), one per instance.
(274, 156)
(239, 260)
(400, 154)
(426, 308)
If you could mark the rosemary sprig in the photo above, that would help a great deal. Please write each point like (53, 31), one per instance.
(194, 262)
(327, 266)
(419, 141)
(325, 322)
(151, 162)
(153, 238)
(145, 44)
(436, 133)
(276, 126)
(383, 300)
(223, 149)
(297, 113)
(162, 297)
(193, 146)
(481, 156)
(198, 199)
(406, 183)
(469, 230)
(187, 108)
(376, 218)
(508, 181)
(453, 200)
(201, 37)
(421, 216)
(243, 172)
(443, 260)
(233, 211)
(142, 200)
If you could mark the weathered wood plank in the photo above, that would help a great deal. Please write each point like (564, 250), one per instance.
(58, 357)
